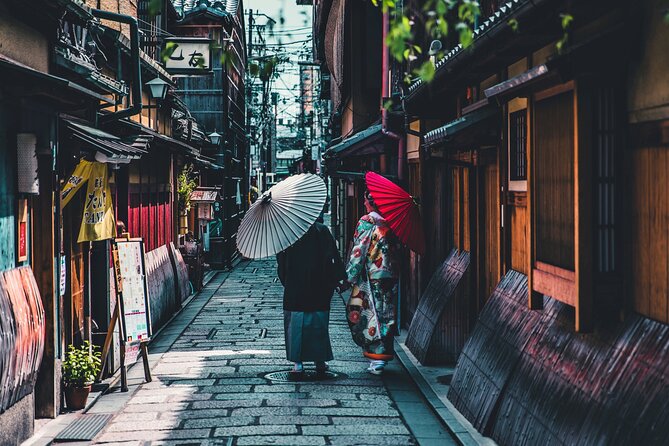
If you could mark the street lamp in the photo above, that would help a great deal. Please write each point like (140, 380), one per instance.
(215, 138)
(157, 88)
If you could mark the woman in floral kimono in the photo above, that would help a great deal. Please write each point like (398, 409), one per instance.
(372, 273)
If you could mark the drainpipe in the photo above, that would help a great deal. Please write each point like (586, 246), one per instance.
(136, 106)
(385, 82)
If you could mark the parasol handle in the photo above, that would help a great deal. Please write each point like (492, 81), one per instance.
(266, 197)
(415, 200)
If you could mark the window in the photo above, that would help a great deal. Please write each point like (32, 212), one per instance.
(606, 131)
(553, 180)
(517, 144)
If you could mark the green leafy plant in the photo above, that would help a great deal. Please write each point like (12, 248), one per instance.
(438, 13)
(566, 20)
(186, 184)
(81, 365)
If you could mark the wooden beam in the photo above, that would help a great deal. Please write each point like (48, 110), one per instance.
(554, 286)
(556, 271)
(535, 298)
(47, 388)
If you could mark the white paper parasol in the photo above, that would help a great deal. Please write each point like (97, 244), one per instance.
(281, 216)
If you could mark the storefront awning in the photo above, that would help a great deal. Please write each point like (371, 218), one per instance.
(457, 128)
(44, 84)
(367, 142)
(109, 148)
(205, 161)
(126, 126)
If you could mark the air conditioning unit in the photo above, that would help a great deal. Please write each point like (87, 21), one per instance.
(26, 156)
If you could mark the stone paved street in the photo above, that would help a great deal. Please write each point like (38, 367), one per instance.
(209, 387)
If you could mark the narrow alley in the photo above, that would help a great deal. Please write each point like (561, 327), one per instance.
(208, 384)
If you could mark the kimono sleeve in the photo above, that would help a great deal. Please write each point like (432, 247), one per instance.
(338, 271)
(361, 242)
(281, 266)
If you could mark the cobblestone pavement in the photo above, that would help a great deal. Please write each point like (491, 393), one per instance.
(208, 385)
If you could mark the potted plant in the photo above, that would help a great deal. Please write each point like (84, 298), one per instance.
(80, 368)
(186, 184)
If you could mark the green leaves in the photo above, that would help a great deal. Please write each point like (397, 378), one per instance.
(465, 34)
(82, 364)
(254, 69)
(566, 20)
(166, 53)
(513, 23)
(399, 38)
(426, 71)
(441, 16)
(155, 7)
(186, 184)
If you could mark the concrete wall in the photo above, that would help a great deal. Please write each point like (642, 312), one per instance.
(22, 43)
(17, 422)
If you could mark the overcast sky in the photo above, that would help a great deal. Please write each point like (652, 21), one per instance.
(291, 38)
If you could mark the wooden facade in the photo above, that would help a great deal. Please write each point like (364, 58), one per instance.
(44, 94)
(563, 211)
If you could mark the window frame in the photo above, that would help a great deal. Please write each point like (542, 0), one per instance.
(516, 105)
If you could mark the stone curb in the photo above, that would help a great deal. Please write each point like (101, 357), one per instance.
(448, 415)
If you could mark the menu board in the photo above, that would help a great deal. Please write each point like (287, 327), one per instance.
(130, 273)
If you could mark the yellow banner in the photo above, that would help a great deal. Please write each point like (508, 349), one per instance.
(98, 220)
(77, 179)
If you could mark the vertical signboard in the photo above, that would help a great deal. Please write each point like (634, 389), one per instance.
(22, 231)
(131, 286)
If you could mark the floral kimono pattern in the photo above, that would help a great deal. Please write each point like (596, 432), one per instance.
(371, 308)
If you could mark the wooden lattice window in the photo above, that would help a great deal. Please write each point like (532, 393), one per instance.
(517, 144)
(605, 140)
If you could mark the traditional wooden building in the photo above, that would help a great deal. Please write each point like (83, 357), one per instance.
(216, 99)
(536, 145)
(33, 96)
(75, 88)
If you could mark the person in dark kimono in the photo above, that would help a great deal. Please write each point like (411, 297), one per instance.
(309, 270)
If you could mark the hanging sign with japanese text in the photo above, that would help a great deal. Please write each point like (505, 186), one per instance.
(76, 180)
(187, 55)
(98, 219)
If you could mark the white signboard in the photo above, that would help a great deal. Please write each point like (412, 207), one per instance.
(187, 55)
(130, 272)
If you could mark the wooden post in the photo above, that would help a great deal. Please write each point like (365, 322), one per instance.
(145, 359)
(108, 340)
(583, 205)
(535, 299)
(124, 371)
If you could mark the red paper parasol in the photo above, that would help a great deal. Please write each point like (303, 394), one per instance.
(399, 209)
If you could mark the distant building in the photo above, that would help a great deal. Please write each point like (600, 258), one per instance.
(285, 161)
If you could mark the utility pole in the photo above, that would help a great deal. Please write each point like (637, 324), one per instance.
(249, 97)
